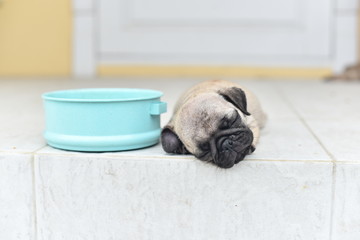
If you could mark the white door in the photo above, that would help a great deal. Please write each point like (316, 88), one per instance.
(260, 32)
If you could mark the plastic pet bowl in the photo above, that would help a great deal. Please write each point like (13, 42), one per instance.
(99, 120)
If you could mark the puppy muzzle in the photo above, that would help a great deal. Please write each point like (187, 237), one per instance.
(230, 146)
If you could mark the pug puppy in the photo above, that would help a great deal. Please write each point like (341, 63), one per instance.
(217, 121)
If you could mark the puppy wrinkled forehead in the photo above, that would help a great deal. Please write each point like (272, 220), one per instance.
(203, 113)
(201, 106)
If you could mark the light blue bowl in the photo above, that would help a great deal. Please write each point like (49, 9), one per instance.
(99, 120)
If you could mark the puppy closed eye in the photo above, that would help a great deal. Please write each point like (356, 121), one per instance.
(225, 124)
(204, 146)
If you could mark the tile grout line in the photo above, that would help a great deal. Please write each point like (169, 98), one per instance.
(23, 152)
(156, 157)
(33, 182)
(333, 190)
(35, 209)
(330, 155)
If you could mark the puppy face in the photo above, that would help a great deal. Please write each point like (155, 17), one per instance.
(211, 126)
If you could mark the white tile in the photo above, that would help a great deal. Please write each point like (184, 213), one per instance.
(288, 139)
(331, 110)
(21, 121)
(22, 117)
(93, 198)
(16, 137)
(271, 101)
(323, 100)
(346, 219)
(341, 138)
(17, 218)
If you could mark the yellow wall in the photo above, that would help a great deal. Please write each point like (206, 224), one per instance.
(211, 71)
(35, 37)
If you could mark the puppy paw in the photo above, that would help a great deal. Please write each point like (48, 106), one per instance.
(251, 149)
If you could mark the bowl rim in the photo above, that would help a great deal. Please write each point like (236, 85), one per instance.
(153, 94)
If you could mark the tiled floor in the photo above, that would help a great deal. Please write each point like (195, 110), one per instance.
(302, 182)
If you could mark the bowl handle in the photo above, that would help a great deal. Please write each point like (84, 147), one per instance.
(158, 108)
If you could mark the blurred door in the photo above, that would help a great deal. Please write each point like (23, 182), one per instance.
(256, 32)
(35, 38)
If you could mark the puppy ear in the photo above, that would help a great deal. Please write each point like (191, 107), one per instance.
(171, 142)
(235, 96)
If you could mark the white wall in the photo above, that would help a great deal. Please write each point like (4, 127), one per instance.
(297, 33)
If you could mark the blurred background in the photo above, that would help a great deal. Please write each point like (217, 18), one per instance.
(162, 38)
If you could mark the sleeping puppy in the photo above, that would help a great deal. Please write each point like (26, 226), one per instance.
(216, 121)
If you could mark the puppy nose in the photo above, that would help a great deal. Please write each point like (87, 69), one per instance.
(227, 144)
